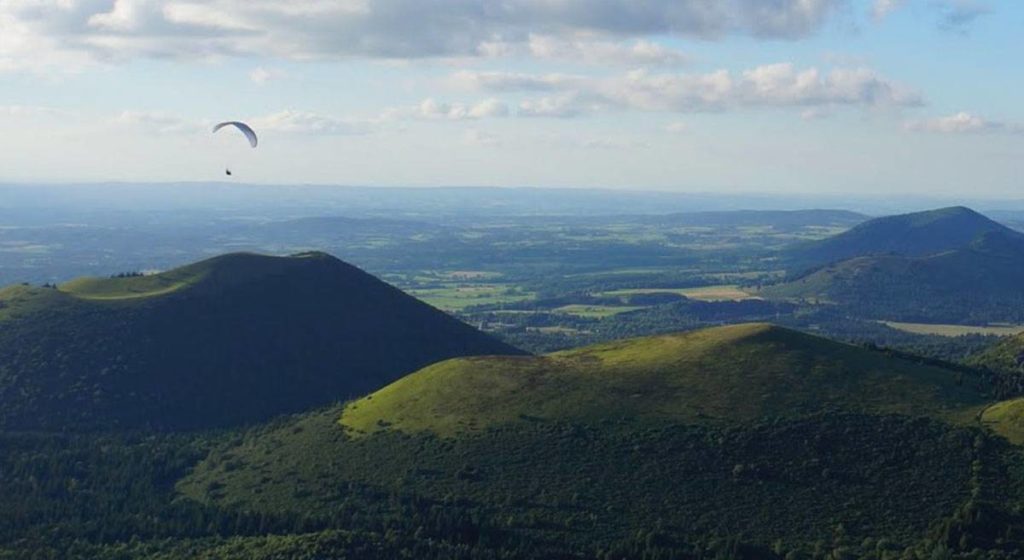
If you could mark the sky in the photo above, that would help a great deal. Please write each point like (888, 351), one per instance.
(865, 97)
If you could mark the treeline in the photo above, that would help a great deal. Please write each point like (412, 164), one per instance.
(81, 497)
(870, 487)
(827, 486)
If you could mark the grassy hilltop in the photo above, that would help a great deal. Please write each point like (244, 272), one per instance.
(917, 234)
(731, 374)
(233, 339)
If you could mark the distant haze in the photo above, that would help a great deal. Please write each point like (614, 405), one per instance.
(27, 204)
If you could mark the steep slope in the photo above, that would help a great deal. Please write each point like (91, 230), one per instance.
(750, 429)
(910, 235)
(979, 283)
(230, 340)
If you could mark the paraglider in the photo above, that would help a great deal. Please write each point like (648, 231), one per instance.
(245, 129)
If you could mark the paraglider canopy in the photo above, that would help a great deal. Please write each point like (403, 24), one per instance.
(249, 133)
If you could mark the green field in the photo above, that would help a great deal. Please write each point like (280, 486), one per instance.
(595, 311)
(721, 292)
(955, 330)
(460, 296)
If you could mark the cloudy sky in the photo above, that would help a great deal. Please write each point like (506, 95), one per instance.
(815, 96)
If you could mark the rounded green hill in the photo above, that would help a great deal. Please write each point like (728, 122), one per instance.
(230, 340)
(726, 375)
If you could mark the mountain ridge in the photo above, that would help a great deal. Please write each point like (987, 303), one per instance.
(916, 234)
(951, 265)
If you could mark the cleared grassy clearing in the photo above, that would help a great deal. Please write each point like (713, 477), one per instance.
(596, 311)
(135, 287)
(724, 292)
(954, 330)
(118, 288)
(721, 292)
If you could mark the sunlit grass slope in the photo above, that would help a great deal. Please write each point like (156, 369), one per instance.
(721, 375)
(1006, 419)
(132, 287)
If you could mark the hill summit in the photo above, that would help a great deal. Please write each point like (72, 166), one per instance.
(945, 266)
(733, 374)
(910, 235)
(229, 340)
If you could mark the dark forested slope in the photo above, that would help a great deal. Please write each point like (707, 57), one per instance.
(230, 340)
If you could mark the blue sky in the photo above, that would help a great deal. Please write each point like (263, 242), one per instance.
(756, 96)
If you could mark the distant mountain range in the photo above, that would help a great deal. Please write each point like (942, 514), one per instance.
(230, 340)
(950, 265)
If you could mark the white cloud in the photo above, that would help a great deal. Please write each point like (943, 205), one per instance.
(882, 8)
(475, 137)
(161, 123)
(31, 111)
(488, 108)
(774, 85)
(75, 32)
(614, 143)
(301, 122)
(815, 113)
(964, 123)
(431, 109)
(261, 75)
(510, 81)
(561, 106)
(677, 127)
(639, 52)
